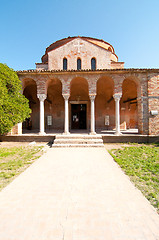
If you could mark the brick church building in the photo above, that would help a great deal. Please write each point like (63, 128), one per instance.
(81, 86)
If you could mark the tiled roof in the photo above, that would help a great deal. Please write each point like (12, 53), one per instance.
(89, 70)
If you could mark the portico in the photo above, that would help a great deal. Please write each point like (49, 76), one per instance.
(81, 86)
(96, 97)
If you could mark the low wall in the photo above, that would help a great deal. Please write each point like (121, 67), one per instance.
(130, 138)
(106, 138)
(27, 138)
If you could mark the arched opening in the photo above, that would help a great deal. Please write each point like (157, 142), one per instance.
(93, 64)
(30, 92)
(79, 104)
(54, 106)
(65, 64)
(128, 105)
(79, 64)
(109, 49)
(105, 105)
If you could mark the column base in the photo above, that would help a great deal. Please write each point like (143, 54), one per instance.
(118, 134)
(92, 133)
(66, 133)
(42, 133)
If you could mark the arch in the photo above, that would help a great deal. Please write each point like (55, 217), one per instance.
(30, 92)
(79, 89)
(128, 104)
(79, 64)
(93, 64)
(54, 106)
(104, 104)
(64, 63)
(28, 81)
(49, 82)
(134, 79)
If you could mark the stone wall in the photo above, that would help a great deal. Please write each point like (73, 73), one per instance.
(142, 99)
(153, 104)
(16, 130)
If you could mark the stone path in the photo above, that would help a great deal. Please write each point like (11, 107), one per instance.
(75, 194)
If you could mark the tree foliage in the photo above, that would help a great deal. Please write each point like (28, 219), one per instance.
(14, 107)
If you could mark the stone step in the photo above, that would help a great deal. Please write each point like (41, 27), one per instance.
(80, 140)
(78, 136)
(78, 145)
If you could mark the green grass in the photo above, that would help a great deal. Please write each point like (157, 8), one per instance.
(15, 160)
(141, 164)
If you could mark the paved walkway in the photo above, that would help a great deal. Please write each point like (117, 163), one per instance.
(75, 194)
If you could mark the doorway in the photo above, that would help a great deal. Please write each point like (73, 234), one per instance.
(78, 116)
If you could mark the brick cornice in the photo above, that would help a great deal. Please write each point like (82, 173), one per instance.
(84, 71)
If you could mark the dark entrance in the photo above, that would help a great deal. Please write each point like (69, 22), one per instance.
(78, 116)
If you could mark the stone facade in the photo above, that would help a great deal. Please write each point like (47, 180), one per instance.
(54, 93)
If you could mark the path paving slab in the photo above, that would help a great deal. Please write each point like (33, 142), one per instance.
(75, 194)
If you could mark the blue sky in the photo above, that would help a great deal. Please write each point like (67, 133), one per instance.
(28, 27)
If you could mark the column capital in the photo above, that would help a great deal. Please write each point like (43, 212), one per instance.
(66, 96)
(92, 96)
(41, 97)
(117, 96)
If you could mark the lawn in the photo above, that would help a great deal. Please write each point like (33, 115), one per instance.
(15, 160)
(141, 164)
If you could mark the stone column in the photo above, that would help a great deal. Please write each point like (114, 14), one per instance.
(42, 98)
(92, 98)
(19, 128)
(117, 113)
(66, 127)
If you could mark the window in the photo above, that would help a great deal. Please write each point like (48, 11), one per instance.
(109, 49)
(93, 64)
(65, 64)
(78, 64)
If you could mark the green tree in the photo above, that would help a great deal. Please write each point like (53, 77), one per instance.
(14, 107)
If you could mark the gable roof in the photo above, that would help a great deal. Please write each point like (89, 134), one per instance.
(98, 42)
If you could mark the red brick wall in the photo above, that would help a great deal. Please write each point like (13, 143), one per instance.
(153, 104)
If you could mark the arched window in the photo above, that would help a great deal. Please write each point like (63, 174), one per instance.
(78, 64)
(109, 48)
(65, 64)
(93, 64)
